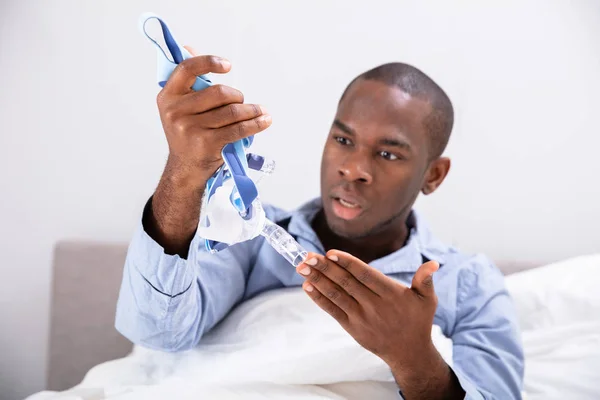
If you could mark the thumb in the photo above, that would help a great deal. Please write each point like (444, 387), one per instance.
(422, 282)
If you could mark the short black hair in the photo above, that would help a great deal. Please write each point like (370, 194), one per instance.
(416, 83)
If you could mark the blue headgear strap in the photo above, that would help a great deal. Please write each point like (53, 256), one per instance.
(234, 154)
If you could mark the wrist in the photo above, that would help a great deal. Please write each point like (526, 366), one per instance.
(426, 376)
(184, 175)
(420, 362)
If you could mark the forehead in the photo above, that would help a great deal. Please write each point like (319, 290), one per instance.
(374, 108)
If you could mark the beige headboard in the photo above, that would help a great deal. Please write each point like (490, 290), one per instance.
(86, 281)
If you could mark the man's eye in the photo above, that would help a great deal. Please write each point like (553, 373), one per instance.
(388, 156)
(343, 141)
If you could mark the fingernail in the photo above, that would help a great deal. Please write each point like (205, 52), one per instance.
(308, 288)
(265, 118)
(263, 110)
(305, 271)
(333, 258)
(225, 63)
(311, 261)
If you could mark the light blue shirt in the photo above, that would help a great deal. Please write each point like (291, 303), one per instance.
(168, 303)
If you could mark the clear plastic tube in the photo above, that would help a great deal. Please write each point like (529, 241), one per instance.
(283, 243)
(268, 166)
(267, 169)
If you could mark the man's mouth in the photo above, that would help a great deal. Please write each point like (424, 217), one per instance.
(345, 208)
(348, 204)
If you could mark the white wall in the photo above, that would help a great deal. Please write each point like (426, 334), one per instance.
(81, 146)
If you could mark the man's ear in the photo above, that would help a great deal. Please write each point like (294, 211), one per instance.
(435, 175)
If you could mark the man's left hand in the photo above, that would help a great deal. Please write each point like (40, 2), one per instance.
(384, 316)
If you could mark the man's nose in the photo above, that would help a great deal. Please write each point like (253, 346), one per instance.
(356, 168)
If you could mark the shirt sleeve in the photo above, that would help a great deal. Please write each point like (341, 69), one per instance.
(487, 350)
(167, 302)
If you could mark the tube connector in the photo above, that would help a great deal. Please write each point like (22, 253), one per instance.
(283, 243)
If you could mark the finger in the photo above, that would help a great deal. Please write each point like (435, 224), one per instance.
(329, 289)
(338, 275)
(368, 276)
(230, 114)
(240, 130)
(191, 50)
(205, 100)
(324, 303)
(183, 77)
(422, 282)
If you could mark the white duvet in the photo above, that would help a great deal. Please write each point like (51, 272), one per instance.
(280, 345)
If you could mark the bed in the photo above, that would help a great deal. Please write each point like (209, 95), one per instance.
(561, 330)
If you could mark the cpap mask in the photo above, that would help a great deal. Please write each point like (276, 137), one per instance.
(231, 211)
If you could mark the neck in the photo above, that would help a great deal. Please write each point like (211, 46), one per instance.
(376, 245)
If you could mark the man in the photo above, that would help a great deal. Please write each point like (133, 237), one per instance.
(384, 148)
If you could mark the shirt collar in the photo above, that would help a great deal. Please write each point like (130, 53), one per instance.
(420, 246)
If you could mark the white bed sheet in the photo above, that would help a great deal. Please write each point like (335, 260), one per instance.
(558, 307)
(280, 345)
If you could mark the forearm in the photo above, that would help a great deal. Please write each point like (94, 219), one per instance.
(160, 305)
(429, 377)
(175, 210)
(165, 304)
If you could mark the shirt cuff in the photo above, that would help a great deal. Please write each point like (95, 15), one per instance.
(168, 274)
(471, 392)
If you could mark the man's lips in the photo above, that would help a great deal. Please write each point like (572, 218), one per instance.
(348, 204)
(346, 207)
(348, 197)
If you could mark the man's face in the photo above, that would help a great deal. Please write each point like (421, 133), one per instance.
(374, 160)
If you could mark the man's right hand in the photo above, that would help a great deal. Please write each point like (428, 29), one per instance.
(197, 124)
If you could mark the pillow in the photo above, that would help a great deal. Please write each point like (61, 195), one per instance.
(557, 294)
